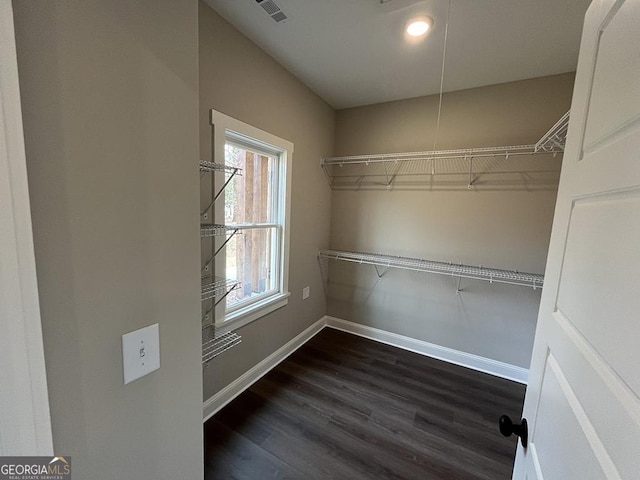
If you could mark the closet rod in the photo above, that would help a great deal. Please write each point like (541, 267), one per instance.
(512, 277)
(551, 142)
(431, 155)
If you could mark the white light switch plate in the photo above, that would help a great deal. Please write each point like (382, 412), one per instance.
(305, 293)
(140, 352)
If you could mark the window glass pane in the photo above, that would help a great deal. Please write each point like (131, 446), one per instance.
(251, 259)
(249, 197)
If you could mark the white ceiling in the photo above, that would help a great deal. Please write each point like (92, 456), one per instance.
(354, 52)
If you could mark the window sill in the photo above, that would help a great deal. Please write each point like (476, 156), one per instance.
(246, 315)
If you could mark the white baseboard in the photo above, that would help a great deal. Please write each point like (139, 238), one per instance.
(469, 360)
(235, 388)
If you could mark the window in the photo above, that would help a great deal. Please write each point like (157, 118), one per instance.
(256, 203)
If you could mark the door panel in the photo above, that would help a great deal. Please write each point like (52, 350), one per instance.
(583, 398)
(614, 102)
(558, 418)
(596, 385)
(601, 254)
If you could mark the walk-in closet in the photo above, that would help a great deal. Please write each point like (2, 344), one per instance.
(302, 239)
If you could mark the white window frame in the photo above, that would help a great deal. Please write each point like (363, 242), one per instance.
(224, 127)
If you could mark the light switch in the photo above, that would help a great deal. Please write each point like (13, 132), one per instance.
(140, 352)
(305, 293)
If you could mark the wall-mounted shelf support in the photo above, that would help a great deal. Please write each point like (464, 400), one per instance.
(217, 287)
(512, 277)
(206, 318)
(556, 138)
(224, 244)
(214, 230)
(230, 172)
(381, 273)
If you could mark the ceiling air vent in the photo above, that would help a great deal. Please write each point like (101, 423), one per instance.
(394, 5)
(272, 9)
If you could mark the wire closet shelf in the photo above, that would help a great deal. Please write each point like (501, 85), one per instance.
(512, 277)
(217, 167)
(216, 341)
(215, 230)
(213, 287)
(387, 168)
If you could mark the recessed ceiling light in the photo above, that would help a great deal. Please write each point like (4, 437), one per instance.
(419, 26)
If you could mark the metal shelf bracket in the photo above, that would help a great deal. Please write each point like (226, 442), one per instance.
(230, 173)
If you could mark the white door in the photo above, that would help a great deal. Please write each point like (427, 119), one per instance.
(582, 402)
(25, 426)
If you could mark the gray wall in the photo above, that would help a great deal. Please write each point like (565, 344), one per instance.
(502, 228)
(109, 97)
(240, 80)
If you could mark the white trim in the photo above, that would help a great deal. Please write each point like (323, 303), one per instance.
(469, 360)
(254, 311)
(475, 362)
(235, 388)
(25, 424)
(225, 126)
(533, 455)
(244, 129)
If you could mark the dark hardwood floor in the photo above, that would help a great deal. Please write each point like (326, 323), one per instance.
(346, 407)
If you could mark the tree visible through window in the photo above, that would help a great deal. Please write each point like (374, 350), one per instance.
(256, 205)
(251, 202)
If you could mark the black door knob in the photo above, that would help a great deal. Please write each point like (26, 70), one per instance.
(508, 428)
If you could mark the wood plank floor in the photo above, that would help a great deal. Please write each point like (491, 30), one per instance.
(345, 407)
